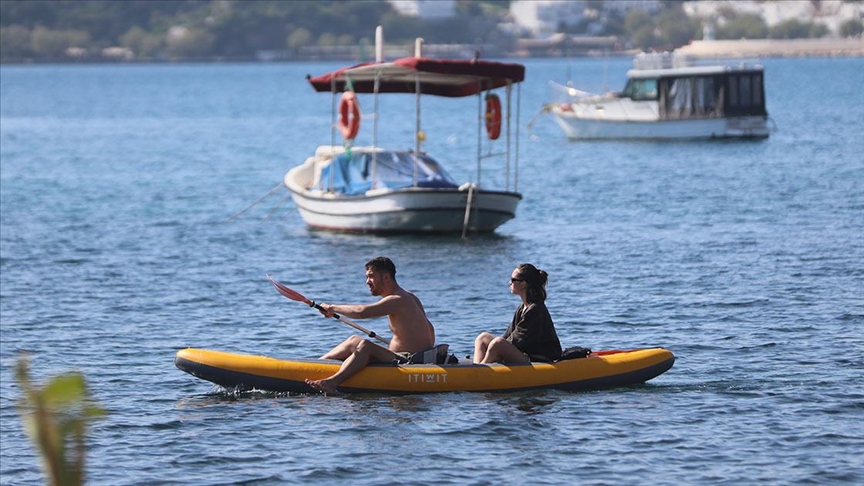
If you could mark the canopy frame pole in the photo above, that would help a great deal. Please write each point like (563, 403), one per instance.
(379, 59)
(333, 115)
(333, 111)
(480, 120)
(507, 156)
(418, 53)
(518, 120)
(417, 141)
(375, 128)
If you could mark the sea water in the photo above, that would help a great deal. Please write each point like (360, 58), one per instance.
(744, 258)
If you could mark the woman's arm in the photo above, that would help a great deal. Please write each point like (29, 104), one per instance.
(529, 332)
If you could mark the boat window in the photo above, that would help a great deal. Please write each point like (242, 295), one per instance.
(689, 97)
(707, 92)
(757, 90)
(745, 94)
(733, 93)
(641, 89)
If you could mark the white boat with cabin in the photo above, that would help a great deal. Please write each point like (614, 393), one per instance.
(666, 98)
(369, 189)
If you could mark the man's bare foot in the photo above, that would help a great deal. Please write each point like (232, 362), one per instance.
(324, 386)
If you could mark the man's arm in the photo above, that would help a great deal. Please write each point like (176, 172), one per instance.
(384, 307)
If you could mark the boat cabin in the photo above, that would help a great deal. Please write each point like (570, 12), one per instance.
(699, 92)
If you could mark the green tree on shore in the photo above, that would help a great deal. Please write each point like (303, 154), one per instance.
(61, 30)
(743, 26)
(851, 28)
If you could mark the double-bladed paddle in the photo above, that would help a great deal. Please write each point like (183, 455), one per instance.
(297, 296)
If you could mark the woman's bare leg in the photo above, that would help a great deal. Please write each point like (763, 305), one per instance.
(481, 344)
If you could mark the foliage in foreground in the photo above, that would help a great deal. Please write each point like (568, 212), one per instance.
(56, 418)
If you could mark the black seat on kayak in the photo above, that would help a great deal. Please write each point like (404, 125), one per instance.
(434, 355)
(574, 353)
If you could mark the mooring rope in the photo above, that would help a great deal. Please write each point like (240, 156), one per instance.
(281, 185)
(467, 210)
(278, 205)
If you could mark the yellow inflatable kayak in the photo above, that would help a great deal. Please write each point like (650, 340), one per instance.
(602, 369)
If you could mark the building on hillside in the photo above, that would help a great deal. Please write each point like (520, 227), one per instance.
(624, 6)
(831, 13)
(425, 9)
(542, 18)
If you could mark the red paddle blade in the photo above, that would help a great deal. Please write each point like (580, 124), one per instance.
(291, 294)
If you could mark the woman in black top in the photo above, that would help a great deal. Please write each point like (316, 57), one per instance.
(531, 336)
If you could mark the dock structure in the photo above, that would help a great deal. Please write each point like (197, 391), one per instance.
(852, 46)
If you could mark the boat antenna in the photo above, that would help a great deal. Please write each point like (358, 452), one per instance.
(379, 44)
(379, 58)
(418, 47)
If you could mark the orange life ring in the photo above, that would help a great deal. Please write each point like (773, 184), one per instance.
(349, 115)
(493, 116)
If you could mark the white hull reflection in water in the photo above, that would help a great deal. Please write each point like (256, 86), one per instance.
(662, 101)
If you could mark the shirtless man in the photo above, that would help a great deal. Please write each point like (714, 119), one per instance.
(412, 331)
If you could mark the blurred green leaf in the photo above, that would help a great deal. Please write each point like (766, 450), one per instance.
(56, 418)
(65, 390)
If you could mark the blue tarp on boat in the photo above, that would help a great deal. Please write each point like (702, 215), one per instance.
(352, 173)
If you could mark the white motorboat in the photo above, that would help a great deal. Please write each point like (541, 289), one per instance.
(666, 99)
(368, 189)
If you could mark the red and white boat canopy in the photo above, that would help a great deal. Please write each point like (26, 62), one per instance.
(439, 77)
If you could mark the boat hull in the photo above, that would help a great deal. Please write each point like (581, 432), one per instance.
(576, 127)
(410, 210)
(605, 369)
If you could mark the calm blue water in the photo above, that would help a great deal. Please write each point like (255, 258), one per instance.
(746, 259)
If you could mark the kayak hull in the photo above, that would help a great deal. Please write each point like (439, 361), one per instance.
(600, 370)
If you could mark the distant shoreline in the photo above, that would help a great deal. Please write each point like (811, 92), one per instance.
(753, 48)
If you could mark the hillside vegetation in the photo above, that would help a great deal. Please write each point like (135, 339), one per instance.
(64, 30)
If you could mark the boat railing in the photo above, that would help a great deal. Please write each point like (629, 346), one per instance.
(671, 60)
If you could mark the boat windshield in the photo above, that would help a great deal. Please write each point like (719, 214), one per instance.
(641, 89)
(359, 172)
